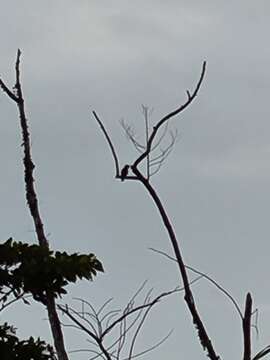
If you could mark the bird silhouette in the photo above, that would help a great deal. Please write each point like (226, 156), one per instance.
(124, 172)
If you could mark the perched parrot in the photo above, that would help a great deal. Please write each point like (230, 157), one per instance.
(124, 172)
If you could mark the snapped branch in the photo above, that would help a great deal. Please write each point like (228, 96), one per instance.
(247, 328)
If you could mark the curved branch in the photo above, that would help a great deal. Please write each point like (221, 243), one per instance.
(202, 333)
(137, 332)
(7, 91)
(151, 347)
(191, 97)
(207, 277)
(109, 143)
(138, 308)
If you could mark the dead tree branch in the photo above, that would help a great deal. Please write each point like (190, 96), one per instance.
(190, 301)
(32, 201)
(247, 328)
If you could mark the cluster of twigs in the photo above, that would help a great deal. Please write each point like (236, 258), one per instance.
(158, 154)
(122, 326)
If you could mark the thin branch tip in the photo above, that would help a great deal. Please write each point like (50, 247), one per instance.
(109, 141)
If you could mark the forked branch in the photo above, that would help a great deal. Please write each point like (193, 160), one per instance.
(196, 318)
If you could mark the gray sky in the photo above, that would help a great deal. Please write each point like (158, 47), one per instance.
(112, 57)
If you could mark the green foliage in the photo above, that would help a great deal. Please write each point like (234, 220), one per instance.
(36, 270)
(11, 348)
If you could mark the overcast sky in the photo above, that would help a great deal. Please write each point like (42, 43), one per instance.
(111, 57)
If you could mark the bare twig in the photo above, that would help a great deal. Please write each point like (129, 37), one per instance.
(157, 160)
(151, 347)
(131, 137)
(255, 325)
(116, 162)
(168, 148)
(66, 310)
(145, 111)
(17, 298)
(207, 277)
(138, 308)
(137, 332)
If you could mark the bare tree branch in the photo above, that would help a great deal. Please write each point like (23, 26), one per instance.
(125, 322)
(32, 202)
(247, 328)
(7, 91)
(117, 171)
(202, 333)
(191, 97)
